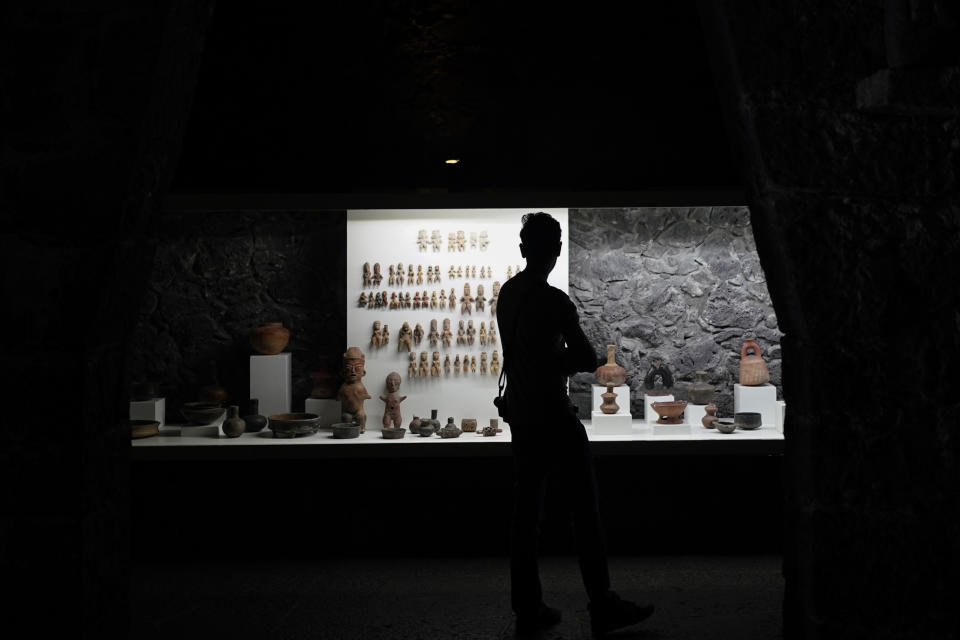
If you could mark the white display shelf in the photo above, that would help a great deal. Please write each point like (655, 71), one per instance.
(169, 444)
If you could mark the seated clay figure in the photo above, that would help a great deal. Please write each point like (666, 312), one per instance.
(447, 336)
(391, 412)
(435, 366)
(424, 369)
(443, 298)
(416, 300)
(433, 300)
(481, 299)
(429, 274)
(377, 276)
(409, 274)
(363, 300)
(393, 301)
(473, 364)
(466, 300)
(406, 301)
(419, 274)
(483, 333)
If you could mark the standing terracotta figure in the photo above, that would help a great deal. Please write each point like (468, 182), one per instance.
(366, 274)
(443, 298)
(483, 333)
(446, 364)
(429, 274)
(451, 241)
(394, 304)
(473, 271)
(484, 240)
(495, 363)
(452, 273)
(406, 301)
(386, 335)
(461, 335)
(399, 274)
(391, 412)
(483, 363)
(473, 364)
(460, 272)
(370, 300)
(376, 340)
(424, 369)
(461, 241)
(471, 333)
(363, 300)
(494, 298)
(412, 365)
(378, 300)
(405, 338)
(447, 336)
(409, 274)
(456, 364)
(433, 300)
(352, 393)
(473, 239)
(419, 274)
(492, 336)
(435, 239)
(453, 300)
(436, 273)
(509, 272)
(435, 366)
(418, 334)
(466, 301)
(392, 278)
(422, 239)
(377, 276)
(434, 335)
(481, 299)
(416, 300)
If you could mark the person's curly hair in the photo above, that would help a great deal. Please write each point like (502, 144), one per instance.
(540, 231)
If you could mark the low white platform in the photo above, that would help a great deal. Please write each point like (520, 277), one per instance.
(270, 382)
(203, 431)
(153, 409)
(623, 398)
(327, 409)
(612, 424)
(761, 399)
(671, 429)
(648, 413)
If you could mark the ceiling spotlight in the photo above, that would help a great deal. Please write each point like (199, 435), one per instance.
(451, 161)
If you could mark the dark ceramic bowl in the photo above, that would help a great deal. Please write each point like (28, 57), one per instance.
(725, 425)
(255, 422)
(426, 430)
(393, 434)
(747, 420)
(202, 412)
(289, 425)
(346, 430)
(143, 428)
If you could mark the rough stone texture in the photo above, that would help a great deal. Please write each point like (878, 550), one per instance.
(684, 284)
(219, 274)
(856, 216)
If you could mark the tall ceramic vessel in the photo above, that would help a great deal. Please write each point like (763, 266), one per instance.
(700, 391)
(753, 369)
(269, 339)
(610, 375)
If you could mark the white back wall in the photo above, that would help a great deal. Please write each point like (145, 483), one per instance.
(389, 236)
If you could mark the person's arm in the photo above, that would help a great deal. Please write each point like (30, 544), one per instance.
(578, 355)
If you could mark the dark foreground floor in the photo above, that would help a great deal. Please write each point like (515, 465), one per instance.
(370, 598)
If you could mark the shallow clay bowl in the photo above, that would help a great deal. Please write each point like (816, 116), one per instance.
(747, 420)
(725, 425)
(202, 412)
(346, 430)
(143, 428)
(669, 410)
(293, 424)
(393, 434)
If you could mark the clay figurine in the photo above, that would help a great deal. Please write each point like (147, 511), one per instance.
(494, 298)
(461, 241)
(456, 364)
(492, 335)
(422, 239)
(447, 335)
(473, 364)
(407, 301)
(392, 277)
(471, 333)
(460, 272)
(484, 240)
(410, 274)
(376, 340)
(386, 335)
(443, 298)
(412, 365)
(363, 300)
(473, 271)
(418, 334)
(378, 300)
(473, 239)
(495, 363)
(419, 274)
(658, 372)
(436, 273)
(435, 365)
(416, 300)
(509, 272)
(377, 277)
(452, 300)
(429, 274)
(461, 335)
(452, 273)
(435, 239)
(483, 363)
(483, 333)
(451, 241)
(405, 338)
(399, 274)
(433, 300)
(366, 274)
(753, 370)
(483, 272)
(370, 300)
(466, 301)
(446, 364)
(424, 370)
(394, 303)
(352, 393)
(391, 412)
(481, 299)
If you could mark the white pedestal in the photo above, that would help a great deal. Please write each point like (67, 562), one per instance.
(649, 414)
(613, 424)
(153, 409)
(270, 382)
(781, 414)
(327, 409)
(670, 429)
(693, 414)
(623, 398)
(761, 399)
(203, 431)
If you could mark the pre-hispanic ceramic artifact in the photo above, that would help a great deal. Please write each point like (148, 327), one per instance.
(405, 338)
(725, 425)
(492, 334)
(391, 412)
(202, 412)
(324, 379)
(456, 364)
(471, 333)
(483, 363)
(495, 363)
(710, 418)
(386, 335)
(659, 380)
(453, 299)
(290, 425)
(700, 391)
(481, 299)
(234, 426)
(753, 370)
(610, 375)
(434, 336)
(461, 335)
(376, 338)
(449, 430)
(366, 274)
(466, 300)
(446, 364)
(377, 277)
(430, 422)
(412, 365)
(424, 370)
(669, 412)
(270, 338)
(473, 364)
(414, 425)
(418, 334)
(143, 428)
(469, 425)
(483, 333)
(255, 422)
(748, 420)
(390, 433)
(435, 365)
(491, 429)
(352, 393)
(346, 430)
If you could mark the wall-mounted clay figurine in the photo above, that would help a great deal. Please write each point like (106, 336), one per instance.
(451, 241)
(436, 273)
(424, 299)
(435, 365)
(419, 274)
(481, 299)
(460, 272)
(452, 273)
(473, 239)
(370, 300)
(435, 239)
(367, 280)
(461, 241)
(378, 300)
(473, 271)
(377, 277)
(394, 303)
(399, 274)
(456, 364)
(416, 300)
(405, 338)
(424, 370)
(391, 275)
(410, 276)
(412, 365)
(659, 380)
(484, 240)
(433, 300)
(446, 336)
(753, 370)
(429, 274)
(443, 298)
(610, 375)
(386, 335)
(471, 333)
(483, 363)
(495, 363)
(363, 300)
(352, 393)
(466, 301)
(422, 239)
(376, 340)
(452, 300)
(391, 410)
(492, 335)
(509, 272)
(433, 336)
(461, 335)
(446, 364)
(483, 333)
(418, 334)
(407, 301)
(517, 272)
(711, 416)
(473, 364)
(494, 298)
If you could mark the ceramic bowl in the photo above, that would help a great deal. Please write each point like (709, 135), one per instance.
(747, 420)
(346, 430)
(143, 428)
(393, 434)
(202, 412)
(289, 425)
(671, 410)
(426, 430)
(725, 425)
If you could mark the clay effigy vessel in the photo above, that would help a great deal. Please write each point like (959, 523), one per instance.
(710, 418)
(450, 430)
(491, 429)
(269, 339)
(234, 426)
(669, 412)
(659, 379)
(610, 375)
(700, 391)
(352, 393)
(753, 369)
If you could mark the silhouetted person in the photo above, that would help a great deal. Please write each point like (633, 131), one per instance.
(543, 344)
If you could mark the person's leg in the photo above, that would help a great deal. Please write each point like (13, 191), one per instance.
(530, 470)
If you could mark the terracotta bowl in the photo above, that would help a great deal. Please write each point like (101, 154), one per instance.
(393, 434)
(143, 428)
(669, 411)
(202, 412)
(346, 430)
(289, 425)
(748, 420)
(725, 425)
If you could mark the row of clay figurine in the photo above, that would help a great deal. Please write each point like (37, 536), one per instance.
(395, 276)
(408, 338)
(430, 300)
(456, 240)
(421, 369)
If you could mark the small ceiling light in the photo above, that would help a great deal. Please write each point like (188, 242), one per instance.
(451, 161)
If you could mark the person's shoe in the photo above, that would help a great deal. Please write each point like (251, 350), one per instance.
(537, 620)
(615, 613)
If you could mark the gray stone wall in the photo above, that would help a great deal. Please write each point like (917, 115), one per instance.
(684, 284)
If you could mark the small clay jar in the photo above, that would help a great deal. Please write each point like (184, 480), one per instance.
(269, 339)
(255, 421)
(708, 420)
(234, 426)
(450, 430)
(700, 391)
(468, 425)
(414, 425)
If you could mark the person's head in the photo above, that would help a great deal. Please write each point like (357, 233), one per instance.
(540, 240)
